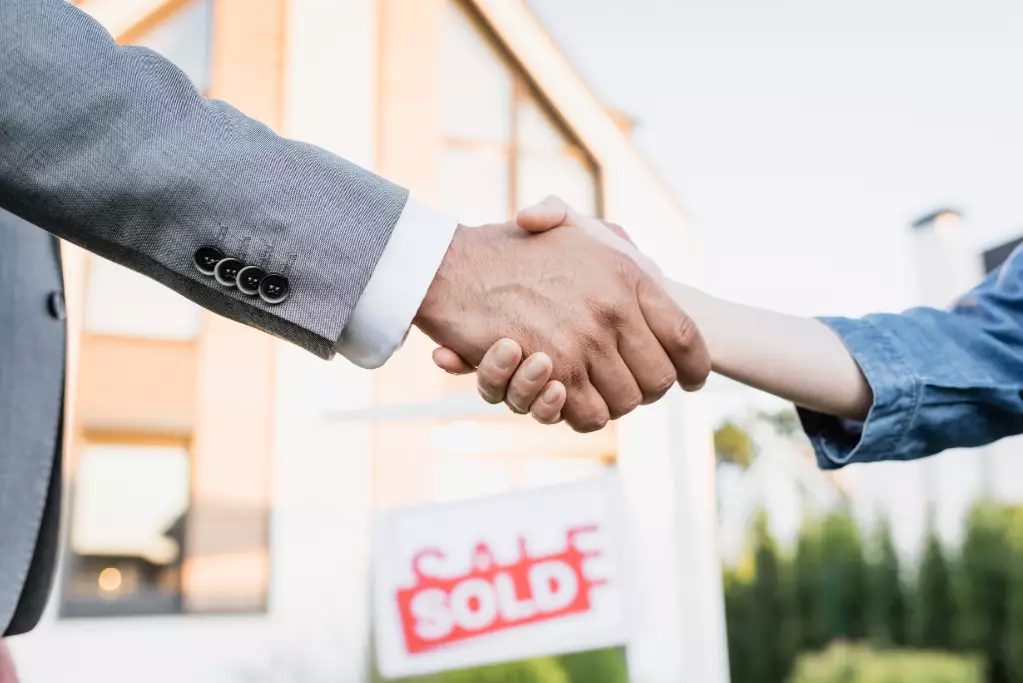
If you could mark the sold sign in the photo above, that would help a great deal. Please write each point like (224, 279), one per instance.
(491, 597)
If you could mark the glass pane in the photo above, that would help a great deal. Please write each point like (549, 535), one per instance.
(125, 303)
(127, 522)
(185, 40)
(566, 176)
(536, 131)
(476, 85)
(475, 185)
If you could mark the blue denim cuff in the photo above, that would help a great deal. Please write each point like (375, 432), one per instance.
(896, 388)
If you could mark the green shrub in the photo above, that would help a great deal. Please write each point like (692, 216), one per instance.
(771, 652)
(546, 670)
(889, 612)
(738, 617)
(983, 588)
(808, 578)
(853, 664)
(934, 613)
(845, 578)
(596, 666)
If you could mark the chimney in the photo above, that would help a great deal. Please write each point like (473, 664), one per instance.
(947, 263)
(948, 266)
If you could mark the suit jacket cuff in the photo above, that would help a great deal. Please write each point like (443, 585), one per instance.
(384, 313)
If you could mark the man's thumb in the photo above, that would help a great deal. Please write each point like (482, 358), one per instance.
(550, 213)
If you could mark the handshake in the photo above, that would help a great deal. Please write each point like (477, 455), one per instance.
(599, 334)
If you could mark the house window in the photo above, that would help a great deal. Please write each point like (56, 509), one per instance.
(145, 539)
(503, 148)
(127, 535)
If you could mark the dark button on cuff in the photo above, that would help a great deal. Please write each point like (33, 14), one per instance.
(249, 278)
(274, 288)
(227, 271)
(56, 306)
(206, 259)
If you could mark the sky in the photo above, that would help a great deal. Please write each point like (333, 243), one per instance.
(802, 136)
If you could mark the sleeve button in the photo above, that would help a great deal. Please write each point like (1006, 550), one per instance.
(227, 271)
(206, 259)
(249, 279)
(274, 288)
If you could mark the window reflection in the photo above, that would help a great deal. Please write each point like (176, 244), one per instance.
(139, 543)
(503, 149)
(565, 176)
(186, 39)
(124, 303)
(476, 184)
(476, 86)
(548, 162)
(127, 530)
(536, 132)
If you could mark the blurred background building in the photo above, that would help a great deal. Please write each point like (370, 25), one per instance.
(222, 484)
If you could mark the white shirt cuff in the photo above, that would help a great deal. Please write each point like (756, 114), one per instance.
(382, 317)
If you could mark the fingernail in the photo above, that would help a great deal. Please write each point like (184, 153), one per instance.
(505, 356)
(550, 394)
(535, 369)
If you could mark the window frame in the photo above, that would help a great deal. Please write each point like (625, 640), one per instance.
(524, 88)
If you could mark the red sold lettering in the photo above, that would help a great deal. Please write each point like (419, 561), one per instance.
(490, 597)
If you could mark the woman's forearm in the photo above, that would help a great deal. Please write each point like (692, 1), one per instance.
(798, 359)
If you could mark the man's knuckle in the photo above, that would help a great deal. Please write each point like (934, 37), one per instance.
(661, 382)
(687, 336)
(588, 417)
(575, 376)
(598, 348)
(592, 423)
(623, 266)
(611, 312)
(625, 404)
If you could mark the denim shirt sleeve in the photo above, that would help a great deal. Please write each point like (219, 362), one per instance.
(941, 379)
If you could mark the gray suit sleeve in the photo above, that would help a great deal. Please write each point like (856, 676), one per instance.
(112, 148)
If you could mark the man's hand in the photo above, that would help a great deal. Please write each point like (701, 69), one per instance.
(615, 339)
(525, 387)
(507, 382)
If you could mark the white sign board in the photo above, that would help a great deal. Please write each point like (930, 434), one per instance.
(527, 574)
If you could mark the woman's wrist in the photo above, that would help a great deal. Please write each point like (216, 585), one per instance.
(799, 359)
